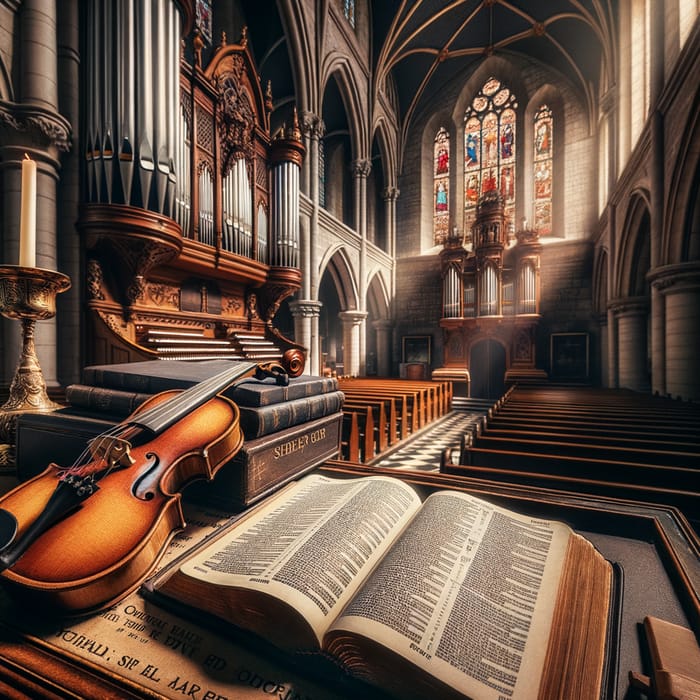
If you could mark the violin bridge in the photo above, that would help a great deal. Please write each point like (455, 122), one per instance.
(113, 450)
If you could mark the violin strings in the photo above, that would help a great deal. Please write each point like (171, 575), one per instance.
(168, 411)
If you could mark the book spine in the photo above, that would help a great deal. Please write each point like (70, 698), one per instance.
(256, 422)
(104, 400)
(127, 381)
(267, 463)
(252, 393)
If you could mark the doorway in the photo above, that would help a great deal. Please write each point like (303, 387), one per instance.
(487, 369)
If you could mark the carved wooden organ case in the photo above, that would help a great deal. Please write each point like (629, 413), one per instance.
(491, 291)
(191, 225)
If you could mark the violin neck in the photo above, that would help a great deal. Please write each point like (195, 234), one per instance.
(162, 416)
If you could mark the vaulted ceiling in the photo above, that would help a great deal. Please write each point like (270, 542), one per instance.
(422, 45)
(425, 44)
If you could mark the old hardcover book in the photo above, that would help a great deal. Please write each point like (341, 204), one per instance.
(153, 376)
(257, 421)
(267, 463)
(58, 436)
(452, 598)
(104, 399)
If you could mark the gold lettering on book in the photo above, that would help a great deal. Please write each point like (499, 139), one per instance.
(299, 443)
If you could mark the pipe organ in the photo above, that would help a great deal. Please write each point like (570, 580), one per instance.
(490, 292)
(190, 220)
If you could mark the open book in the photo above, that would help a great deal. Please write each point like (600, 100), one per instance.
(452, 597)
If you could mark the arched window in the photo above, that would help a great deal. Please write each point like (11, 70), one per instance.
(490, 148)
(441, 186)
(542, 163)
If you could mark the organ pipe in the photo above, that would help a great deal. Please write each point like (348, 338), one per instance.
(287, 152)
(133, 133)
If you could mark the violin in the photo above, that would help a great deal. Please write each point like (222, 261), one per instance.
(80, 538)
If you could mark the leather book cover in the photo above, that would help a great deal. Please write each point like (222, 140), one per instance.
(264, 464)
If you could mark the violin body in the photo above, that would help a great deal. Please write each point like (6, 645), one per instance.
(113, 540)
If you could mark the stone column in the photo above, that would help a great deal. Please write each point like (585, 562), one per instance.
(33, 126)
(361, 170)
(70, 304)
(679, 289)
(391, 195)
(383, 328)
(352, 321)
(632, 315)
(306, 314)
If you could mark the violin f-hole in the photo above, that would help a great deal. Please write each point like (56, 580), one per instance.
(144, 486)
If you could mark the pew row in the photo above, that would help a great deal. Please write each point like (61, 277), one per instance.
(379, 413)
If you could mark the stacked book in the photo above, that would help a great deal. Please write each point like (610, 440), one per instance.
(288, 430)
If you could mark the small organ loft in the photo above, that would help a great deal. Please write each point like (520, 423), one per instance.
(490, 309)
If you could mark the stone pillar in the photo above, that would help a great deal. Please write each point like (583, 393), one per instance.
(383, 329)
(33, 126)
(679, 288)
(391, 195)
(70, 304)
(361, 170)
(632, 315)
(306, 314)
(352, 321)
(313, 128)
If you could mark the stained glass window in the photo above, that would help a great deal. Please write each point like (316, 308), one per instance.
(490, 149)
(441, 186)
(349, 11)
(542, 159)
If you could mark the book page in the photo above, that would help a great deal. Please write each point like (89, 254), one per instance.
(466, 593)
(312, 547)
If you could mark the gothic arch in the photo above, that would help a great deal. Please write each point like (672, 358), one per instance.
(300, 55)
(338, 68)
(377, 297)
(339, 268)
(633, 253)
(684, 189)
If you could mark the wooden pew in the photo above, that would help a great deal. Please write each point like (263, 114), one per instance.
(575, 429)
(613, 438)
(381, 425)
(586, 450)
(687, 501)
(357, 439)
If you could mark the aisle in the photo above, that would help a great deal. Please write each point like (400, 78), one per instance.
(422, 451)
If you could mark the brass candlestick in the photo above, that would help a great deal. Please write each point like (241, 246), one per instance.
(27, 294)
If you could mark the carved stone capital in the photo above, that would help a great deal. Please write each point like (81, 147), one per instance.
(361, 167)
(47, 128)
(352, 317)
(629, 306)
(312, 125)
(305, 308)
(674, 278)
(391, 194)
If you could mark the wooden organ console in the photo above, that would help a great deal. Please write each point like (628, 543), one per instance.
(190, 223)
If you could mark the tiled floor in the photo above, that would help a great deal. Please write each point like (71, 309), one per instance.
(421, 452)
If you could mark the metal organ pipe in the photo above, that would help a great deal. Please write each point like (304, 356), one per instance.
(133, 87)
(285, 215)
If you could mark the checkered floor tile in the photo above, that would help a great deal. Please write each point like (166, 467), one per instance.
(421, 452)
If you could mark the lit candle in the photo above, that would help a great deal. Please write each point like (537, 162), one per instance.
(27, 218)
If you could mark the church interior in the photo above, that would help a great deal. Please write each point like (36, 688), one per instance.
(473, 227)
